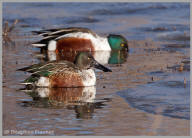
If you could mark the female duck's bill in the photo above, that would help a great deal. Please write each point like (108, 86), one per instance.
(64, 73)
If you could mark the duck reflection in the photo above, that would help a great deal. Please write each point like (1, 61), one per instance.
(80, 99)
(103, 57)
(64, 96)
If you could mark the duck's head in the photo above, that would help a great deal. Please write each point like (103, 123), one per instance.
(117, 42)
(84, 60)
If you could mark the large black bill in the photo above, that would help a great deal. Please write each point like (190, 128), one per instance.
(101, 67)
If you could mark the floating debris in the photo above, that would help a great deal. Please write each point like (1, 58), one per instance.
(185, 82)
(181, 67)
(184, 66)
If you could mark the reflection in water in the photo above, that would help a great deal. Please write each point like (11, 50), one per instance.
(64, 96)
(103, 57)
(7, 41)
(118, 57)
(80, 99)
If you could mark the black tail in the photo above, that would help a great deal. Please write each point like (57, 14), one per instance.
(41, 33)
(44, 42)
(23, 69)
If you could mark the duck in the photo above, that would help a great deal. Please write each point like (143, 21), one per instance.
(79, 39)
(63, 73)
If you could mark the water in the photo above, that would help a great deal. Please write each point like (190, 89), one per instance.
(147, 88)
(168, 95)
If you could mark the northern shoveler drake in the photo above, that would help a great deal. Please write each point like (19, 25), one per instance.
(64, 73)
(80, 39)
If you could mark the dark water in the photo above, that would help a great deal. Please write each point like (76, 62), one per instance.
(163, 18)
(169, 95)
(116, 100)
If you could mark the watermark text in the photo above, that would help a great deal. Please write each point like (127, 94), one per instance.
(28, 132)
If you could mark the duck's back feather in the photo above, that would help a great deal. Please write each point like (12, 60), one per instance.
(52, 34)
(63, 31)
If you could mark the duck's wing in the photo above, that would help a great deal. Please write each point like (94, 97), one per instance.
(52, 34)
(49, 68)
(63, 31)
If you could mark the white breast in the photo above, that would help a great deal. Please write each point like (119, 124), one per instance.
(88, 77)
(102, 56)
(100, 43)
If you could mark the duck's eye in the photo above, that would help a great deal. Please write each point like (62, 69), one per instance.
(122, 44)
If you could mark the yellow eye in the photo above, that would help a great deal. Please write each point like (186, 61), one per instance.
(122, 44)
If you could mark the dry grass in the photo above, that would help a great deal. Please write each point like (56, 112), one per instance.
(7, 29)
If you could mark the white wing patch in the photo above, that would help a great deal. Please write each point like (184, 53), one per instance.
(52, 45)
(43, 82)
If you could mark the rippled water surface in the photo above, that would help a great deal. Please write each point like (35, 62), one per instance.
(148, 92)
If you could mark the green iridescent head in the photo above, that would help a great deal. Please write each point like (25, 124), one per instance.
(117, 42)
